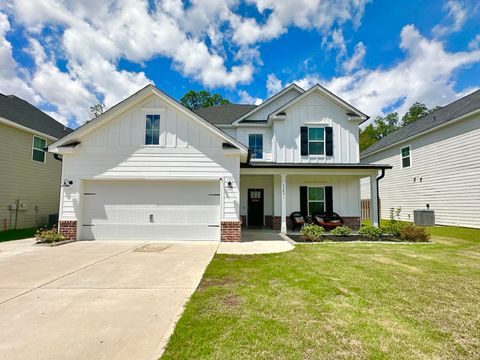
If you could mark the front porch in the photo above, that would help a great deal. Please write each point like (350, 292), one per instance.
(268, 195)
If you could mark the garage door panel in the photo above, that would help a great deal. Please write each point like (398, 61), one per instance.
(160, 210)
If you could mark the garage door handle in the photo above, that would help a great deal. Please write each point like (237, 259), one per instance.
(151, 218)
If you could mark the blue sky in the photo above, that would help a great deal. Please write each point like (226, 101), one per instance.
(64, 56)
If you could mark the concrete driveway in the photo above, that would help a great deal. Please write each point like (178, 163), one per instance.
(95, 300)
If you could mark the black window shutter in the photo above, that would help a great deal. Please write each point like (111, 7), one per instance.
(328, 200)
(303, 201)
(304, 141)
(329, 141)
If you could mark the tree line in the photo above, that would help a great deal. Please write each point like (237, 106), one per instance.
(384, 125)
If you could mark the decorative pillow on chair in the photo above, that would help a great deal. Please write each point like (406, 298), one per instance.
(299, 219)
(319, 219)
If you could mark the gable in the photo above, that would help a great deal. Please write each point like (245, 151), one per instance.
(352, 112)
(177, 130)
(261, 112)
(138, 101)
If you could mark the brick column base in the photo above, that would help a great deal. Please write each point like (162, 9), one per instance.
(276, 222)
(352, 222)
(231, 231)
(68, 228)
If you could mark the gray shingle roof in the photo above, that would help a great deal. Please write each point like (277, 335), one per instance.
(447, 113)
(224, 114)
(23, 113)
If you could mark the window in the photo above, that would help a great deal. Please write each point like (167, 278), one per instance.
(405, 153)
(316, 200)
(38, 154)
(316, 141)
(255, 144)
(152, 130)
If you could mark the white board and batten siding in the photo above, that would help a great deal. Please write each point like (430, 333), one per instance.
(315, 110)
(445, 173)
(116, 151)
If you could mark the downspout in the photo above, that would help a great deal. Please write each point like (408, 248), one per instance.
(57, 157)
(380, 177)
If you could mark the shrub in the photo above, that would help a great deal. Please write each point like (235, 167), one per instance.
(49, 236)
(371, 232)
(341, 231)
(311, 232)
(394, 226)
(414, 233)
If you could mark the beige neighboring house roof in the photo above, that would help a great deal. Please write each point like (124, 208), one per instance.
(129, 102)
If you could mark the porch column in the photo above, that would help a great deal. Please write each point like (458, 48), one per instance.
(374, 200)
(283, 190)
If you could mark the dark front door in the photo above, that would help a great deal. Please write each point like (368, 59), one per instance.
(255, 208)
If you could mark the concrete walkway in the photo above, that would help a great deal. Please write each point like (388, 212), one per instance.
(95, 300)
(256, 241)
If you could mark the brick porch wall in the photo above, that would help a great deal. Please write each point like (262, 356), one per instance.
(352, 222)
(68, 228)
(243, 219)
(231, 231)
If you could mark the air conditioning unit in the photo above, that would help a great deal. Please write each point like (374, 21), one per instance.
(424, 217)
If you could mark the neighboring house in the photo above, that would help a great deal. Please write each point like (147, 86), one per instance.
(436, 162)
(148, 168)
(29, 176)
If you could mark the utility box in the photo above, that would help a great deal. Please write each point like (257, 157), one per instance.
(22, 205)
(424, 217)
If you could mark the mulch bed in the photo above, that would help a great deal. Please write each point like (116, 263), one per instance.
(338, 238)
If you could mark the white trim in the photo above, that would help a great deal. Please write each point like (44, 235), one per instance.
(409, 156)
(453, 121)
(27, 129)
(34, 148)
(269, 100)
(145, 129)
(317, 141)
(322, 186)
(263, 148)
(325, 92)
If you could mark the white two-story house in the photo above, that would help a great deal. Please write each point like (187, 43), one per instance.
(150, 169)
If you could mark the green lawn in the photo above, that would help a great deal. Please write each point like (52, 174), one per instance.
(17, 234)
(339, 301)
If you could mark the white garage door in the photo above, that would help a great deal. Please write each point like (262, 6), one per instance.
(151, 210)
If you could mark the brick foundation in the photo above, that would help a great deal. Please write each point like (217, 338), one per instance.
(352, 222)
(276, 222)
(268, 222)
(243, 219)
(231, 231)
(68, 228)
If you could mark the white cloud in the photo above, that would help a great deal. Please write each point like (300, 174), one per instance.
(65, 92)
(426, 74)
(304, 14)
(10, 81)
(356, 59)
(274, 85)
(456, 17)
(475, 43)
(246, 98)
